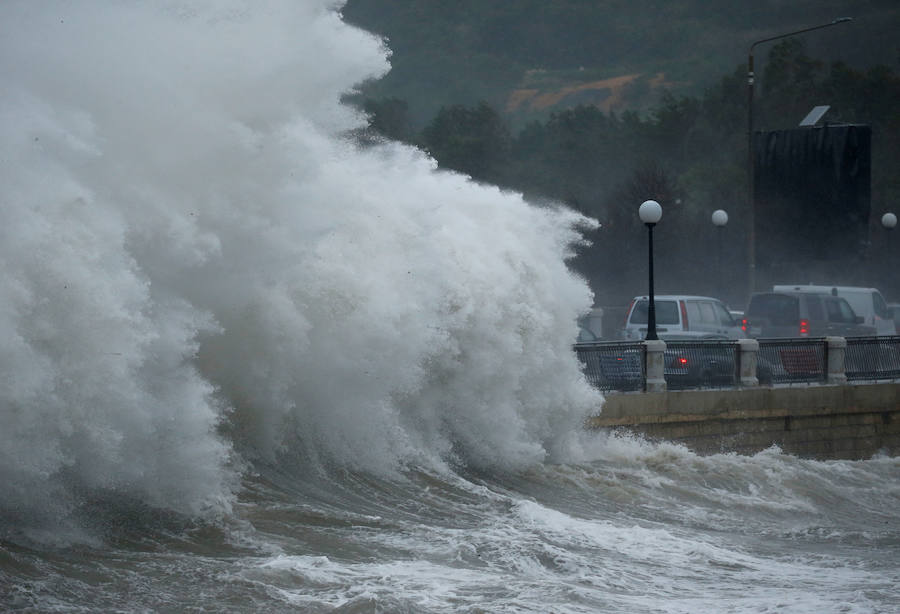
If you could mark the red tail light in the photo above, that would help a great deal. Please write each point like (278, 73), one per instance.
(745, 324)
(684, 320)
(804, 328)
(678, 362)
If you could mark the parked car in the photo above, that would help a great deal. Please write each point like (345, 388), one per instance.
(619, 366)
(612, 368)
(802, 314)
(590, 326)
(894, 311)
(698, 367)
(682, 317)
(866, 302)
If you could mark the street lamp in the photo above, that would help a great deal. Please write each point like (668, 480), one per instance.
(719, 219)
(650, 213)
(751, 235)
(889, 221)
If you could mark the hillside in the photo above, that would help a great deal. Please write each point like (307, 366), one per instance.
(530, 57)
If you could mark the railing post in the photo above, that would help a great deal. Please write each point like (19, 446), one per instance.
(835, 348)
(654, 350)
(748, 358)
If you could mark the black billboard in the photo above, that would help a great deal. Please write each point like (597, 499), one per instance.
(812, 193)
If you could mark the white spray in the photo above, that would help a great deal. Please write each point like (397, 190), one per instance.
(195, 260)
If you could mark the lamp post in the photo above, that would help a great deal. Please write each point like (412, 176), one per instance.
(751, 235)
(889, 221)
(719, 219)
(650, 213)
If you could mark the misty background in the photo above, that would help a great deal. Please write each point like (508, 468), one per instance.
(603, 105)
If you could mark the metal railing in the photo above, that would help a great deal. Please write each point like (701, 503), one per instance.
(612, 365)
(872, 358)
(622, 365)
(700, 364)
(792, 360)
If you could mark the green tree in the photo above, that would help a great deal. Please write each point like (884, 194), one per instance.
(390, 118)
(474, 141)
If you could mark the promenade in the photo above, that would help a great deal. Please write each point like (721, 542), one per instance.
(829, 398)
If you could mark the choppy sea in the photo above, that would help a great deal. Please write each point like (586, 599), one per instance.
(254, 360)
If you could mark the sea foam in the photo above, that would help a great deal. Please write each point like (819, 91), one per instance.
(201, 265)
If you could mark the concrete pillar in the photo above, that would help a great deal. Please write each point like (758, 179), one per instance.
(835, 349)
(655, 380)
(748, 358)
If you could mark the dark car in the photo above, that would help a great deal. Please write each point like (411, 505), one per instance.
(800, 314)
(612, 366)
(697, 365)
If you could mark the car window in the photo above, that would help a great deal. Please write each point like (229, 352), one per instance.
(725, 318)
(666, 312)
(881, 309)
(814, 308)
(834, 312)
(860, 303)
(779, 309)
(708, 313)
(839, 311)
(693, 312)
(584, 330)
(847, 311)
(584, 335)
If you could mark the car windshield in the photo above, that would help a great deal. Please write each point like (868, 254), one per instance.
(666, 312)
(779, 309)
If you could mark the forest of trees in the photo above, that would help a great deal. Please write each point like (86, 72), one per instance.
(689, 153)
(676, 131)
(466, 51)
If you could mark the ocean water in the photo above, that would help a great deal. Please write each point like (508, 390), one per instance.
(253, 362)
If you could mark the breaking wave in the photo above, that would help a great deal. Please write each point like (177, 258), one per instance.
(202, 268)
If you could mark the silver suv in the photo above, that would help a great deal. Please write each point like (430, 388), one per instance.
(682, 317)
(867, 303)
(802, 314)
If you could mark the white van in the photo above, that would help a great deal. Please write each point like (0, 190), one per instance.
(866, 302)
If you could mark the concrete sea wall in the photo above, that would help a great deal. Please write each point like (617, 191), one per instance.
(847, 421)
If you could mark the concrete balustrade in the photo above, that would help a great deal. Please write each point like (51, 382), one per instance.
(747, 363)
(657, 365)
(836, 348)
(748, 358)
(655, 380)
(829, 418)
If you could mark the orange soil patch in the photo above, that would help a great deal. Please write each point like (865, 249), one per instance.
(534, 99)
(519, 97)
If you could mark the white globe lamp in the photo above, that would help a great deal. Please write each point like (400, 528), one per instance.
(650, 212)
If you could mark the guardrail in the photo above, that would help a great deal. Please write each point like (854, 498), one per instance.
(679, 365)
(872, 358)
(611, 365)
(700, 364)
(792, 360)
